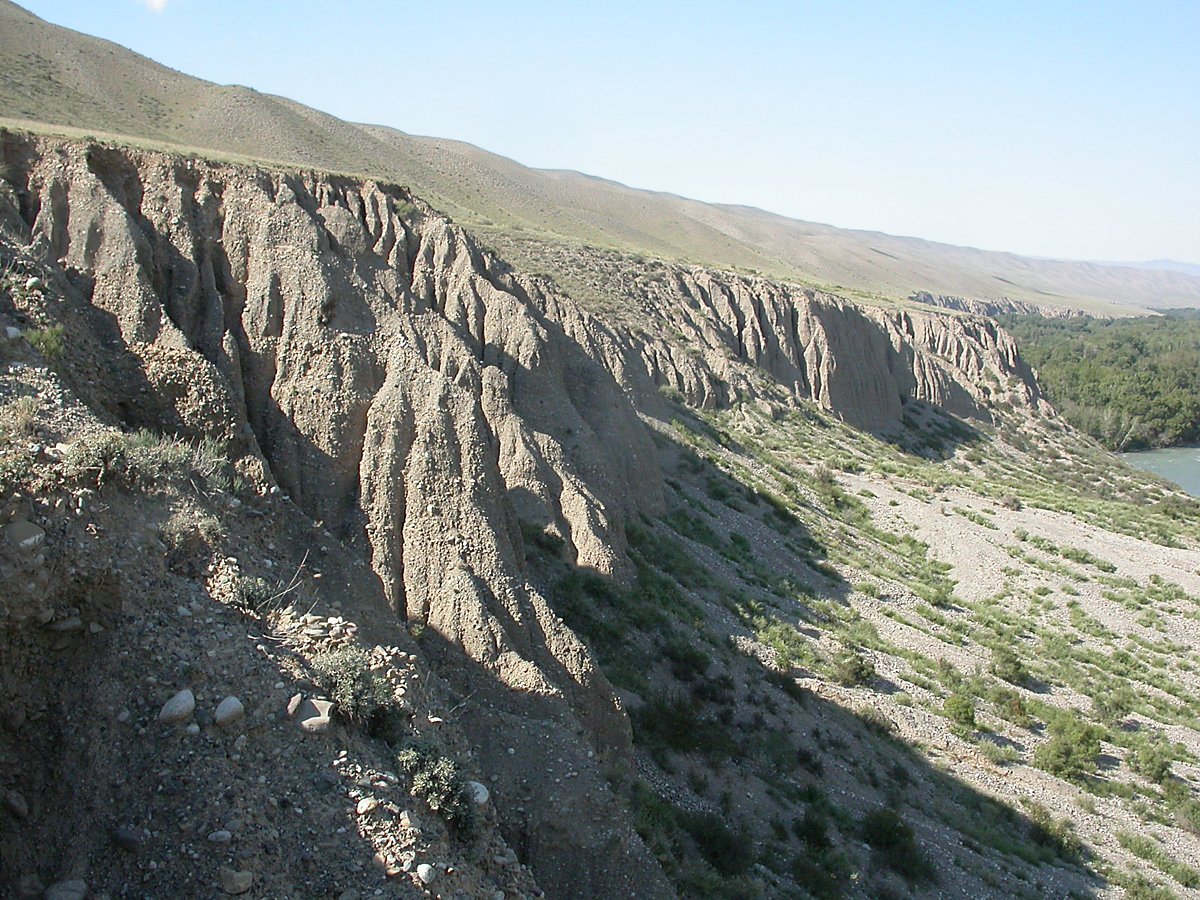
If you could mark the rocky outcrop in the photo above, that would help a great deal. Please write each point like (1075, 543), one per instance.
(713, 336)
(996, 307)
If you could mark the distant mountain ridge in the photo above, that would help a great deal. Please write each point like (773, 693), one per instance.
(1162, 265)
(81, 84)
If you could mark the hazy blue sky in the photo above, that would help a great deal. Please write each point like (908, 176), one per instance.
(1048, 128)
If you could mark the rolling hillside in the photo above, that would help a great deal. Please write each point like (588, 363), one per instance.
(80, 84)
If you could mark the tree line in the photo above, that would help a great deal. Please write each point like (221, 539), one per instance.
(1132, 384)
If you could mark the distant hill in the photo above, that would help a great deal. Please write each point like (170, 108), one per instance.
(52, 76)
(1163, 265)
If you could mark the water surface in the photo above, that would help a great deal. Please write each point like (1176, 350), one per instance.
(1180, 464)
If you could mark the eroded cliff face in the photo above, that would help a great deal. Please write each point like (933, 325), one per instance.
(428, 405)
(712, 335)
(348, 347)
(352, 342)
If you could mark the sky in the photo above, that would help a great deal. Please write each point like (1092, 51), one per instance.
(1056, 129)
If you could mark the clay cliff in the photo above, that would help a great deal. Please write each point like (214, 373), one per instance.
(432, 407)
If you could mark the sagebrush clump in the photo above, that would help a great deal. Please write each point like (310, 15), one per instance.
(437, 779)
(362, 695)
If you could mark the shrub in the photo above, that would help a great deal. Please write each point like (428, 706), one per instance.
(688, 662)
(729, 852)
(1010, 707)
(1056, 834)
(438, 781)
(824, 874)
(1115, 704)
(17, 418)
(1151, 759)
(541, 538)
(141, 459)
(998, 754)
(1153, 852)
(253, 594)
(1007, 666)
(960, 709)
(852, 668)
(362, 695)
(676, 722)
(1073, 750)
(46, 341)
(1185, 809)
(894, 844)
(813, 830)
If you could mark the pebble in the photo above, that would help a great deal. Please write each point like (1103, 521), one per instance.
(12, 333)
(229, 712)
(75, 889)
(314, 716)
(193, 729)
(220, 836)
(316, 725)
(24, 534)
(366, 805)
(128, 839)
(426, 873)
(33, 283)
(16, 804)
(178, 709)
(478, 793)
(235, 882)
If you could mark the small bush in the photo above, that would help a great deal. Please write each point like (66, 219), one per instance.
(1055, 834)
(1151, 759)
(142, 459)
(729, 852)
(1011, 707)
(688, 662)
(47, 341)
(542, 538)
(960, 709)
(998, 754)
(1153, 852)
(17, 418)
(851, 668)
(1115, 704)
(894, 844)
(253, 594)
(438, 781)
(1073, 750)
(824, 874)
(362, 695)
(678, 723)
(813, 830)
(1007, 666)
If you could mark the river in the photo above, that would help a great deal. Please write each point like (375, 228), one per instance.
(1180, 464)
